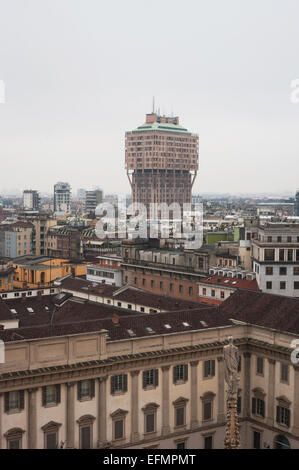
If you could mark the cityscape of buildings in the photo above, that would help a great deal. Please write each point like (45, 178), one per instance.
(118, 342)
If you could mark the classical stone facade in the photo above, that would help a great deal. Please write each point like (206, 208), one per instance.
(160, 391)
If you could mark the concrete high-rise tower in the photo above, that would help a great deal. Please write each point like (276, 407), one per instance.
(161, 161)
(62, 197)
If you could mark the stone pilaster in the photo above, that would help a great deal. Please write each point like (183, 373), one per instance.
(134, 406)
(246, 393)
(271, 393)
(70, 414)
(194, 394)
(32, 419)
(165, 400)
(102, 412)
(221, 386)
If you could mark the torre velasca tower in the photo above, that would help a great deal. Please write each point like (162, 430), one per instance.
(161, 161)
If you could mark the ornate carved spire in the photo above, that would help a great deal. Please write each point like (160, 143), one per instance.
(231, 360)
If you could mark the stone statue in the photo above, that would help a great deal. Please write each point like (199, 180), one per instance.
(231, 362)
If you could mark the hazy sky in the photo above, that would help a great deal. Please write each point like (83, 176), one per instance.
(79, 73)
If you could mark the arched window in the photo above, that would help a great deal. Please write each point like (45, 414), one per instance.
(281, 442)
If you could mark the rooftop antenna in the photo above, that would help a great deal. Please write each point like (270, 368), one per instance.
(153, 105)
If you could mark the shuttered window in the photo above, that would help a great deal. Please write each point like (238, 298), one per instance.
(14, 401)
(119, 384)
(51, 395)
(258, 407)
(86, 389)
(150, 378)
(180, 373)
(283, 415)
(209, 368)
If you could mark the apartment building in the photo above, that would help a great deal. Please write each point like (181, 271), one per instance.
(92, 200)
(84, 375)
(155, 266)
(16, 239)
(62, 198)
(105, 269)
(31, 200)
(275, 254)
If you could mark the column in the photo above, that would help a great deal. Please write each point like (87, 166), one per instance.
(295, 407)
(246, 391)
(134, 406)
(165, 400)
(194, 394)
(70, 415)
(271, 393)
(221, 391)
(102, 412)
(32, 419)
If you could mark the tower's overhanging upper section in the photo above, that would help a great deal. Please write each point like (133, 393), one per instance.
(161, 143)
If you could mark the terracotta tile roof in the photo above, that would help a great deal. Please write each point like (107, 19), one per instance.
(232, 282)
(130, 295)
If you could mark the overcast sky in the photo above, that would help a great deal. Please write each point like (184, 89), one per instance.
(79, 73)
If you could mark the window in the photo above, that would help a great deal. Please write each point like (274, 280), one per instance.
(207, 410)
(296, 285)
(150, 378)
(260, 365)
(269, 255)
(283, 285)
(51, 430)
(290, 255)
(213, 293)
(14, 438)
(14, 401)
(51, 395)
(152, 284)
(180, 289)
(269, 285)
(269, 271)
(119, 384)
(180, 412)
(283, 415)
(190, 290)
(281, 255)
(284, 372)
(283, 271)
(119, 429)
(222, 295)
(180, 373)
(118, 424)
(296, 271)
(150, 412)
(181, 445)
(258, 407)
(85, 434)
(207, 406)
(209, 368)
(85, 389)
(256, 440)
(208, 442)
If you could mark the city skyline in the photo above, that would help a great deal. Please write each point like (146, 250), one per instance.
(69, 104)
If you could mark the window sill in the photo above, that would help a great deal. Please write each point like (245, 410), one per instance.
(180, 382)
(12, 412)
(85, 399)
(117, 394)
(181, 427)
(50, 405)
